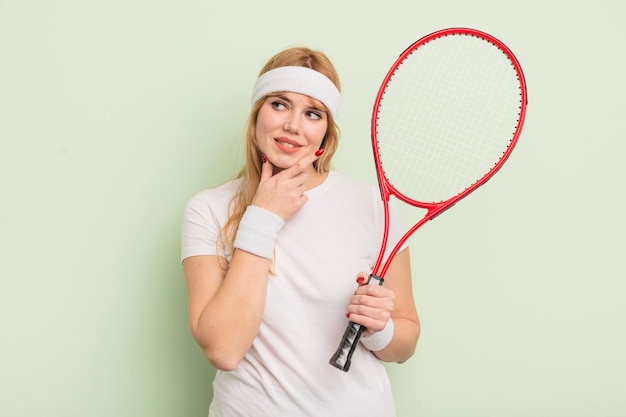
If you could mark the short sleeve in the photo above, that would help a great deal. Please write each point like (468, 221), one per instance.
(203, 219)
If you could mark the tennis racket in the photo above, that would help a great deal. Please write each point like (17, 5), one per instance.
(446, 118)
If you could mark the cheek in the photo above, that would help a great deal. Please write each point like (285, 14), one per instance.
(317, 134)
(264, 124)
(260, 130)
(257, 131)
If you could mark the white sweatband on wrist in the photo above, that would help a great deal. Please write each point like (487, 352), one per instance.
(258, 230)
(300, 80)
(379, 340)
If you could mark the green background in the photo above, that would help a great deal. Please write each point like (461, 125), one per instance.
(113, 113)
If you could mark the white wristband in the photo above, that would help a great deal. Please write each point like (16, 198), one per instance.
(257, 232)
(379, 340)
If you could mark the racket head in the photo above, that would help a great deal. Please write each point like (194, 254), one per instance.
(446, 117)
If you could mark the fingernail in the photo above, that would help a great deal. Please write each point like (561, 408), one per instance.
(319, 152)
(348, 315)
(360, 280)
(263, 158)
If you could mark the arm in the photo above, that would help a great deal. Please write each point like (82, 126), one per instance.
(225, 306)
(226, 302)
(373, 305)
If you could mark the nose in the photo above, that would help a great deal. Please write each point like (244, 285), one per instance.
(292, 124)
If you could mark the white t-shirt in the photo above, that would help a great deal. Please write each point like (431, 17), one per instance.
(318, 254)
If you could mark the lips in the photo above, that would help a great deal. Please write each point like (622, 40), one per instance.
(287, 145)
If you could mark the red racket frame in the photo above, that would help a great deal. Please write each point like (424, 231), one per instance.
(434, 209)
(342, 357)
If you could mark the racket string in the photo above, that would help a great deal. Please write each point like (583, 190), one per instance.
(446, 117)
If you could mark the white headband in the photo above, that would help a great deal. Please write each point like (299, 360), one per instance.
(300, 80)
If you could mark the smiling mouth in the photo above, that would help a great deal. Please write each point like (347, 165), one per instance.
(286, 144)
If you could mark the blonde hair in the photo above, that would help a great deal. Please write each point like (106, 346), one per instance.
(250, 174)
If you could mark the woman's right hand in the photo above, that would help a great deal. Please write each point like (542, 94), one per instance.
(283, 193)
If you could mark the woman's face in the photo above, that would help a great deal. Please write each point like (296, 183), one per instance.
(290, 126)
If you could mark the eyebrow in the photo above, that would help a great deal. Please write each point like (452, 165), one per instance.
(312, 102)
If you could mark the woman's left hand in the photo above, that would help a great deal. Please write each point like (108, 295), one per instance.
(371, 305)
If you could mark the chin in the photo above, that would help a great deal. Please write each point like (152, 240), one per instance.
(283, 162)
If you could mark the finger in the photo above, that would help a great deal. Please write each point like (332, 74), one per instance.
(266, 169)
(371, 290)
(363, 313)
(361, 304)
(303, 163)
(374, 320)
(362, 278)
(370, 301)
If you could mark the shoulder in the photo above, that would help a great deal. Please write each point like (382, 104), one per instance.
(224, 192)
(204, 217)
(213, 199)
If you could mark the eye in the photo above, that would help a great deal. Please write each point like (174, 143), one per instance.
(314, 115)
(278, 105)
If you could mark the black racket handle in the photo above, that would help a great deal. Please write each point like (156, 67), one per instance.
(343, 356)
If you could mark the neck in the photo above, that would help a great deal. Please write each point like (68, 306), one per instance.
(314, 178)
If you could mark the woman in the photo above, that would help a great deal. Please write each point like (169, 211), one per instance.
(270, 260)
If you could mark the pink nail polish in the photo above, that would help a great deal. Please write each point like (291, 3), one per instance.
(360, 280)
(347, 315)
(263, 158)
(319, 152)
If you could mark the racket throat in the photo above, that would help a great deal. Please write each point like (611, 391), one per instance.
(375, 280)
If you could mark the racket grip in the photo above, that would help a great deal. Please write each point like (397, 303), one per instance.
(343, 356)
